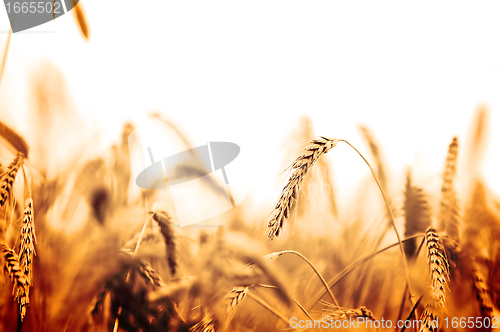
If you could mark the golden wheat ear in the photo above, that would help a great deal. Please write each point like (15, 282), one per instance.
(27, 239)
(7, 179)
(15, 273)
(287, 201)
(439, 267)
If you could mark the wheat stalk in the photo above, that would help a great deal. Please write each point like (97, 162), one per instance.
(14, 271)
(323, 281)
(27, 240)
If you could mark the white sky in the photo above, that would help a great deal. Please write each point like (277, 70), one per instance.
(412, 72)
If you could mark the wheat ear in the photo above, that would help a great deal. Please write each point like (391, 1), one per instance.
(167, 230)
(289, 195)
(438, 264)
(14, 271)
(439, 270)
(449, 220)
(207, 324)
(7, 181)
(27, 239)
(235, 297)
(481, 289)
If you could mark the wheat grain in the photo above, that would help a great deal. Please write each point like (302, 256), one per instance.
(27, 239)
(288, 199)
(449, 214)
(438, 265)
(14, 271)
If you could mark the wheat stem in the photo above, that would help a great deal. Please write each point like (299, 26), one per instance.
(280, 253)
(355, 264)
(391, 214)
(269, 307)
(115, 326)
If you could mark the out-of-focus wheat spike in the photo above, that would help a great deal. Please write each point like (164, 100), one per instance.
(27, 239)
(149, 275)
(417, 215)
(449, 214)
(15, 273)
(7, 181)
(167, 230)
(207, 324)
(479, 284)
(80, 18)
(438, 265)
(288, 199)
(482, 292)
(236, 295)
(370, 139)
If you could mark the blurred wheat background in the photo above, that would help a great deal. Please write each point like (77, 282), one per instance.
(383, 116)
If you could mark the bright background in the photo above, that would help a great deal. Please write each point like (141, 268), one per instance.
(414, 73)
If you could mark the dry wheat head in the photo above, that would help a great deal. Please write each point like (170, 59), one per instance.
(13, 270)
(438, 264)
(290, 193)
(7, 181)
(27, 239)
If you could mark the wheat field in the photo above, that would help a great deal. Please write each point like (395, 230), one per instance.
(83, 248)
(127, 267)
